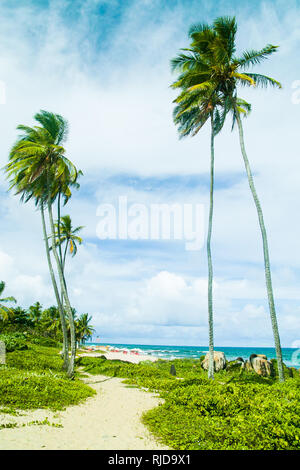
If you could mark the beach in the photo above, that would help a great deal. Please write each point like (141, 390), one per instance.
(110, 420)
(115, 354)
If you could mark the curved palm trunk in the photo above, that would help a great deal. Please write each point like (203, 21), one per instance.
(59, 304)
(70, 371)
(209, 260)
(265, 250)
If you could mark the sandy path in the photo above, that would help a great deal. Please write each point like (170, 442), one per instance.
(109, 420)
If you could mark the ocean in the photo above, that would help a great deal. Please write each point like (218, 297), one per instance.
(291, 357)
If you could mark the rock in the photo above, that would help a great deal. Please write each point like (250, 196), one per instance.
(239, 359)
(2, 352)
(261, 365)
(219, 361)
(247, 366)
(263, 356)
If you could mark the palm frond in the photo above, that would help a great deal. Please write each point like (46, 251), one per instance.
(253, 57)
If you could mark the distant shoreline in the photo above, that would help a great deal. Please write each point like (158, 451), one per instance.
(171, 352)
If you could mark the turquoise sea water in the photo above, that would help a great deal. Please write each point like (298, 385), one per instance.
(291, 357)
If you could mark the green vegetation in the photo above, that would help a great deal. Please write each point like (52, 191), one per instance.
(42, 326)
(238, 410)
(14, 341)
(33, 378)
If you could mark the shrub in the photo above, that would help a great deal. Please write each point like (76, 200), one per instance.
(14, 341)
(237, 410)
(44, 341)
(33, 378)
(23, 389)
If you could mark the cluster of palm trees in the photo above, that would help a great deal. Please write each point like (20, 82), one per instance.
(48, 321)
(37, 321)
(39, 170)
(209, 74)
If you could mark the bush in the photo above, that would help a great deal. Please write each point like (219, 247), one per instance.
(37, 358)
(20, 389)
(33, 378)
(14, 341)
(44, 341)
(237, 410)
(235, 416)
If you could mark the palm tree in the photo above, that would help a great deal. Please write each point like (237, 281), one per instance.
(194, 108)
(35, 312)
(51, 320)
(83, 329)
(39, 169)
(68, 235)
(5, 312)
(211, 60)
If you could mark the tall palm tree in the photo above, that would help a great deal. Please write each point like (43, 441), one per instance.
(211, 60)
(5, 312)
(39, 169)
(194, 108)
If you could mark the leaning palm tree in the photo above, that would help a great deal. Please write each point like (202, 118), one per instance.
(39, 169)
(5, 312)
(211, 60)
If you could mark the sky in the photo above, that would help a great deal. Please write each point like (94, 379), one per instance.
(105, 66)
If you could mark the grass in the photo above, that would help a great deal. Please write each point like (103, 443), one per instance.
(238, 410)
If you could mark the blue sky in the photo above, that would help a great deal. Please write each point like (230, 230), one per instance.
(104, 65)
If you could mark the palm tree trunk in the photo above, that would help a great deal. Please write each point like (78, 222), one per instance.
(265, 250)
(209, 260)
(59, 304)
(65, 294)
(59, 239)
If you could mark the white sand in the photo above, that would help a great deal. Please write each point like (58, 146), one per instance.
(109, 420)
(129, 357)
